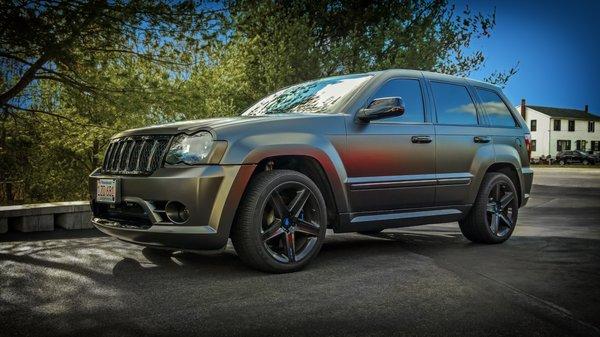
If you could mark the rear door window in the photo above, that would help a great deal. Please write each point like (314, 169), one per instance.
(453, 104)
(497, 112)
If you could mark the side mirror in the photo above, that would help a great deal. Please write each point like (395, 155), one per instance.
(382, 108)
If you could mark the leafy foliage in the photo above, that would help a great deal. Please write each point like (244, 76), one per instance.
(75, 72)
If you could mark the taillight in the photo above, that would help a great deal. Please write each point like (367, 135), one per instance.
(528, 142)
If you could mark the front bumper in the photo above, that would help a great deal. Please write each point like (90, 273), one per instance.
(211, 194)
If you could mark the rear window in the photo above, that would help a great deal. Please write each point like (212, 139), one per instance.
(495, 109)
(453, 104)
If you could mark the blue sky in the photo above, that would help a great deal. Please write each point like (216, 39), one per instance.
(557, 45)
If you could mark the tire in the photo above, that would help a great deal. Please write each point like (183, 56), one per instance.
(586, 162)
(297, 234)
(561, 162)
(488, 212)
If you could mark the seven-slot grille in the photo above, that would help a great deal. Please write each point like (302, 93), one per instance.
(135, 155)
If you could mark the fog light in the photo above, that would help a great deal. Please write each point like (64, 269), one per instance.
(177, 212)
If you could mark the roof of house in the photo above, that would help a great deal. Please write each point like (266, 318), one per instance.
(565, 113)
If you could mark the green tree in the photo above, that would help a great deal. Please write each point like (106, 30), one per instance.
(340, 37)
(70, 42)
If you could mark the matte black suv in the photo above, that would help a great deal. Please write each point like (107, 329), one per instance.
(357, 153)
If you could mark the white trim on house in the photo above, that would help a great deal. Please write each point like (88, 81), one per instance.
(546, 137)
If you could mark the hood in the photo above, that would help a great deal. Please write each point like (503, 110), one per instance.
(219, 126)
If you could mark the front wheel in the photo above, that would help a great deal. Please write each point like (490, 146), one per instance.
(586, 162)
(493, 217)
(281, 222)
(561, 162)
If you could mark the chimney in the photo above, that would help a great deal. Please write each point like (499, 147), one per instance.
(523, 108)
(586, 108)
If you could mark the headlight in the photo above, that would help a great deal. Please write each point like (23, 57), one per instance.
(190, 150)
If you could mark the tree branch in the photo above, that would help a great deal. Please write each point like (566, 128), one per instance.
(55, 115)
(24, 81)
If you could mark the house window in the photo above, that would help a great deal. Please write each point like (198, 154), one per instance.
(533, 145)
(591, 126)
(563, 145)
(581, 144)
(571, 125)
(595, 145)
(533, 125)
(557, 125)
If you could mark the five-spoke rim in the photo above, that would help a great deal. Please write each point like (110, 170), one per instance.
(500, 209)
(290, 222)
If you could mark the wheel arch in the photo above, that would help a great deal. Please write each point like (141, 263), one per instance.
(315, 152)
(313, 169)
(510, 170)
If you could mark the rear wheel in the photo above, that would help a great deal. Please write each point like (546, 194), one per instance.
(561, 162)
(281, 223)
(586, 162)
(494, 214)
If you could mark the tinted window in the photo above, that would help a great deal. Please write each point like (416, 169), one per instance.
(497, 112)
(453, 104)
(410, 92)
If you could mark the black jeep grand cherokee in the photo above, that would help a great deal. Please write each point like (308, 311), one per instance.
(357, 153)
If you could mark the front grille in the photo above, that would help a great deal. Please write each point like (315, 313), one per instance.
(135, 155)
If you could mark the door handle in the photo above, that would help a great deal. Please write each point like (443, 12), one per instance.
(420, 139)
(482, 139)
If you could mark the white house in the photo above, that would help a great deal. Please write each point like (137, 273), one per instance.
(558, 129)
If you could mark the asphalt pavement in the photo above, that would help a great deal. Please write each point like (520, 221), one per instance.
(418, 281)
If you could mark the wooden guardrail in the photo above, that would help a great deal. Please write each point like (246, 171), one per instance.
(44, 217)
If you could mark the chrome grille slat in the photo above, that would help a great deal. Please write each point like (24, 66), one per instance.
(135, 155)
(139, 159)
(109, 152)
(115, 163)
(154, 146)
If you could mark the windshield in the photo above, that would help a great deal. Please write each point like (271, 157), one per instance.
(311, 97)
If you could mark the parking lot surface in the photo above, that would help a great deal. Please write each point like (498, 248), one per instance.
(425, 280)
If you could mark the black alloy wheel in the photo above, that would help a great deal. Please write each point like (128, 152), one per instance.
(281, 222)
(493, 216)
(290, 222)
(500, 209)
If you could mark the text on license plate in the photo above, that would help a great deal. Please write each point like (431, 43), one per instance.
(106, 190)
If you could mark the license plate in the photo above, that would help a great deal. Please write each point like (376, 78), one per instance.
(106, 191)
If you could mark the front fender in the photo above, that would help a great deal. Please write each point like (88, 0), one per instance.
(255, 148)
